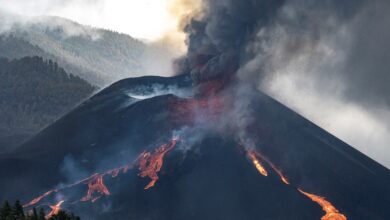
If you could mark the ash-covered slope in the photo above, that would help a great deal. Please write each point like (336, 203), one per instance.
(164, 156)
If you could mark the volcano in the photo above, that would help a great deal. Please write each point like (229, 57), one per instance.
(157, 148)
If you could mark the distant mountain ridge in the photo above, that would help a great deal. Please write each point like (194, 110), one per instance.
(33, 93)
(96, 55)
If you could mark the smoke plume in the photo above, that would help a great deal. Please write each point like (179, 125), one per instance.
(327, 60)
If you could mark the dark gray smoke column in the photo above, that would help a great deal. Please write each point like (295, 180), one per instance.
(217, 41)
(331, 53)
(221, 39)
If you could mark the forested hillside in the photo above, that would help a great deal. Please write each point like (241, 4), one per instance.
(33, 93)
(96, 55)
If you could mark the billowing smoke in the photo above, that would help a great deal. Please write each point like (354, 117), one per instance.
(218, 36)
(328, 60)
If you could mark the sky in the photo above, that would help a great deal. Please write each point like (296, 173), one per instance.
(142, 19)
(339, 80)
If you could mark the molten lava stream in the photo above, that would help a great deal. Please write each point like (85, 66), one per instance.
(331, 212)
(151, 163)
(256, 162)
(38, 199)
(272, 165)
(54, 209)
(255, 157)
(95, 185)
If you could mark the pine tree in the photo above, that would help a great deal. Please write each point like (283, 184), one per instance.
(18, 212)
(34, 215)
(5, 211)
(41, 215)
(62, 215)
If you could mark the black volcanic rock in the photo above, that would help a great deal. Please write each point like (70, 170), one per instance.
(205, 177)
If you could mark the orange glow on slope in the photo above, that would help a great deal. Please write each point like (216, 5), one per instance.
(256, 162)
(151, 167)
(331, 212)
(272, 165)
(150, 163)
(95, 185)
(38, 199)
(54, 209)
(188, 110)
(282, 177)
(89, 180)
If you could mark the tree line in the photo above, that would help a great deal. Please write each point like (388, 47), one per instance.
(16, 212)
(33, 94)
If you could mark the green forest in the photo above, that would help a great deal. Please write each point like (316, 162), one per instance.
(34, 93)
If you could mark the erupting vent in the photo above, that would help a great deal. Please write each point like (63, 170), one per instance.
(190, 110)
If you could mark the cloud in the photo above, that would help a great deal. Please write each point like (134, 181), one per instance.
(147, 19)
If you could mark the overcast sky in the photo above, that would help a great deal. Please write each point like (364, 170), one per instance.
(145, 19)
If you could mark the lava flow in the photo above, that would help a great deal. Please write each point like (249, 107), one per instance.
(331, 212)
(255, 155)
(39, 198)
(95, 185)
(256, 162)
(54, 209)
(150, 163)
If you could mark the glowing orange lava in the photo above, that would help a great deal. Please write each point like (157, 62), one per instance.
(272, 165)
(95, 185)
(38, 199)
(331, 212)
(54, 209)
(283, 178)
(150, 163)
(256, 162)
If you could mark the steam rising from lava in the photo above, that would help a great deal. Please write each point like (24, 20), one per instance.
(54, 209)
